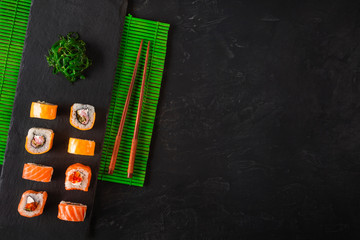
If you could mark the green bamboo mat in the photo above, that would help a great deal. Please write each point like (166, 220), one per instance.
(135, 29)
(13, 22)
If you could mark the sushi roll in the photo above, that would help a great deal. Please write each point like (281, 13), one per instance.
(32, 203)
(74, 212)
(77, 177)
(37, 172)
(82, 116)
(39, 140)
(81, 147)
(43, 110)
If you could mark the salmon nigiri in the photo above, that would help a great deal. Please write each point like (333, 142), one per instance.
(74, 212)
(37, 172)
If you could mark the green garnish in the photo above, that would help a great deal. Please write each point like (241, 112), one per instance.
(68, 57)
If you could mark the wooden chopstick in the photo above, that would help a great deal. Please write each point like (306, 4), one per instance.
(137, 123)
(123, 117)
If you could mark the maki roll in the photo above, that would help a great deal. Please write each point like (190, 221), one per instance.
(37, 172)
(81, 147)
(39, 140)
(77, 177)
(74, 212)
(32, 203)
(43, 110)
(82, 116)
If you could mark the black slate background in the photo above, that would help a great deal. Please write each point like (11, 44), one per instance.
(257, 132)
(99, 25)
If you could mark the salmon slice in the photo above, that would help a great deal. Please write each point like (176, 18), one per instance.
(81, 147)
(43, 110)
(37, 172)
(74, 212)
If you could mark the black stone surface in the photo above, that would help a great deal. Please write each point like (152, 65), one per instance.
(257, 130)
(100, 26)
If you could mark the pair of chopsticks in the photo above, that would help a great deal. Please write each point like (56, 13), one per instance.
(123, 117)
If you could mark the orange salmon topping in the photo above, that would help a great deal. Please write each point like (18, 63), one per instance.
(31, 206)
(75, 177)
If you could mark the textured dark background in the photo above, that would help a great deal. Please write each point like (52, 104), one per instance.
(257, 133)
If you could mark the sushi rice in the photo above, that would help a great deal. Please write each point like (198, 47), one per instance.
(38, 197)
(84, 112)
(37, 134)
(85, 174)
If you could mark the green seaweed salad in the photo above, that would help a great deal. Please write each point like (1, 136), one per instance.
(68, 57)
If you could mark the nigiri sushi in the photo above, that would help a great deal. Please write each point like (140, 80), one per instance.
(39, 140)
(81, 147)
(82, 116)
(37, 172)
(32, 203)
(77, 177)
(43, 110)
(74, 212)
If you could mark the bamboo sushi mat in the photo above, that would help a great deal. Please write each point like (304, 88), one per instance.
(13, 22)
